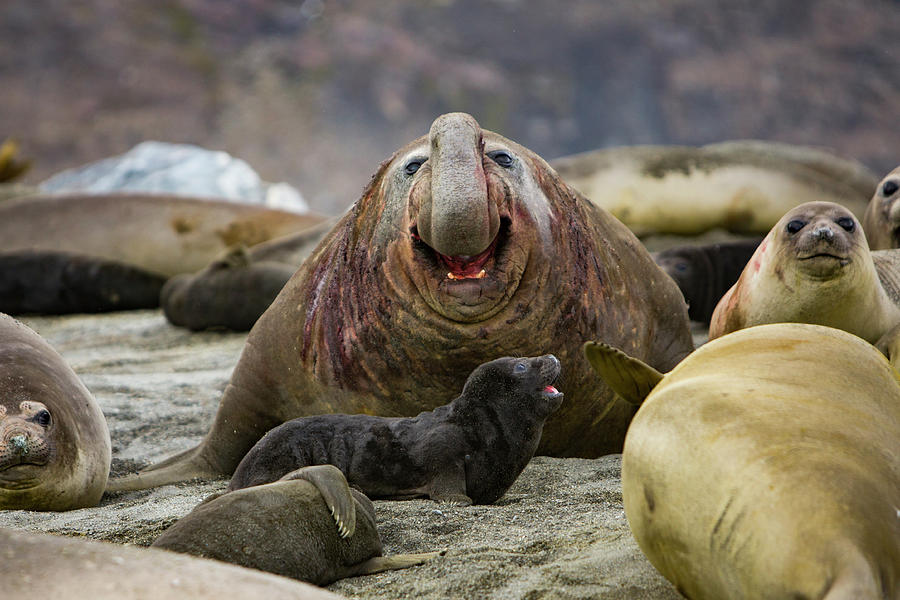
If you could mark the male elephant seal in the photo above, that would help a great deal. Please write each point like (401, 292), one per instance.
(37, 565)
(813, 267)
(464, 247)
(704, 273)
(309, 525)
(63, 282)
(766, 465)
(470, 450)
(164, 234)
(882, 219)
(54, 443)
(234, 290)
(743, 186)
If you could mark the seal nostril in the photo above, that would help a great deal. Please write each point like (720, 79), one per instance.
(18, 443)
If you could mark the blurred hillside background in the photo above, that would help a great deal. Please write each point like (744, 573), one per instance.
(318, 92)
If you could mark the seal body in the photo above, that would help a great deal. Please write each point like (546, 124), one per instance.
(766, 465)
(163, 234)
(705, 273)
(814, 266)
(54, 442)
(470, 450)
(464, 247)
(743, 186)
(882, 219)
(63, 282)
(309, 526)
(47, 566)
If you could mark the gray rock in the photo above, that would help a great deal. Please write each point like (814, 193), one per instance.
(181, 169)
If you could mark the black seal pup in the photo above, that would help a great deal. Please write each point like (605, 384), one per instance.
(468, 451)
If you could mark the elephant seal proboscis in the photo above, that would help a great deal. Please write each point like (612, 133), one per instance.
(464, 247)
(743, 186)
(159, 233)
(38, 565)
(309, 525)
(470, 450)
(766, 465)
(54, 442)
(704, 273)
(814, 267)
(58, 283)
(882, 219)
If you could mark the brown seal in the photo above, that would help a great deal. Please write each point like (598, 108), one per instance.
(765, 465)
(163, 234)
(54, 442)
(38, 565)
(882, 219)
(464, 247)
(468, 451)
(308, 525)
(743, 186)
(814, 267)
(234, 290)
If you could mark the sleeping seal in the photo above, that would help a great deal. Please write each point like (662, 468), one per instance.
(766, 465)
(309, 525)
(470, 450)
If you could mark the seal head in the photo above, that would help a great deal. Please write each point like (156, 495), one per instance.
(882, 218)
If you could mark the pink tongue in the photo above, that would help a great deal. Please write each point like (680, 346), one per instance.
(551, 390)
(469, 266)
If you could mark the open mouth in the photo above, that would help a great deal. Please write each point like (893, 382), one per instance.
(460, 268)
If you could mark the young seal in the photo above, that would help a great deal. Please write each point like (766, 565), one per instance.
(38, 565)
(704, 273)
(882, 219)
(163, 234)
(743, 186)
(470, 450)
(465, 246)
(309, 525)
(234, 290)
(813, 267)
(54, 442)
(59, 283)
(766, 465)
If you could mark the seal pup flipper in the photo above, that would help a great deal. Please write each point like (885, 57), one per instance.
(629, 377)
(389, 563)
(889, 345)
(332, 484)
(450, 487)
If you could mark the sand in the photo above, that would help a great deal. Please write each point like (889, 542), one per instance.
(559, 532)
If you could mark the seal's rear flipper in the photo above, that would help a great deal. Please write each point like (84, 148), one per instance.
(629, 377)
(185, 466)
(388, 563)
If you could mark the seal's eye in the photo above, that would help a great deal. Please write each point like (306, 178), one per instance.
(847, 223)
(519, 368)
(890, 187)
(794, 226)
(681, 267)
(42, 418)
(501, 158)
(413, 165)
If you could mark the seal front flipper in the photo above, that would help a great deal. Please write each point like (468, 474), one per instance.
(450, 487)
(332, 484)
(389, 563)
(889, 345)
(629, 377)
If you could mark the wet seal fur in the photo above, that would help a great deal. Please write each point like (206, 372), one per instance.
(54, 442)
(704, 273)
(38, 565)
(468, 451)
(743, 186)
(309, 525)
(814, 267)
(159, 233)
(765, 465)
(882, 219)
(464, 247)
(235, 289)
(59, 283)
